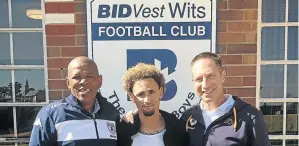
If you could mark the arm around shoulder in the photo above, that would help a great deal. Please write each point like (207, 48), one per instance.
(183, 137)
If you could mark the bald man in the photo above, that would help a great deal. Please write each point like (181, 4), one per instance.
(84, 118)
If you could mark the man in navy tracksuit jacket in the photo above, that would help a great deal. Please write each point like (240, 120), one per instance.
(220, 119)
(65, 122)
(84, 118)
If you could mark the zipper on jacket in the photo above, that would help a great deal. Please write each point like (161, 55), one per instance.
(218, 120)
(95, 124)
(92, 116)
(214, 123)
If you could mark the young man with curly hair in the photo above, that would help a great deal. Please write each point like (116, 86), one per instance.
(145, 86)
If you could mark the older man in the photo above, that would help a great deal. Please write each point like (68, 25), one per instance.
(221, 119)
(84, 118)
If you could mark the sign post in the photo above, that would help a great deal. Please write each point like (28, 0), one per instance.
(167, 33)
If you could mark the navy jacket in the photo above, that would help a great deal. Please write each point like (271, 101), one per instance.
(243, 125)
(65, 122)
(175, 134)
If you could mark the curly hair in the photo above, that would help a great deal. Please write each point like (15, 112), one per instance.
(142, 71)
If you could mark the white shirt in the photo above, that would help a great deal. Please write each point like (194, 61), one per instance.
(96, 108)
(140, 139)
(210, 116)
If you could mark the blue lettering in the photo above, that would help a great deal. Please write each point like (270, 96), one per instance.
(147, 12)
(114, 10)
(137, 13)
(124, 11)
(104, 11)
(176, 8)
(201, 12)
(187, 10)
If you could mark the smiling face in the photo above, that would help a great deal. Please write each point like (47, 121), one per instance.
(146, 94)
(208, 79)
(83, 80)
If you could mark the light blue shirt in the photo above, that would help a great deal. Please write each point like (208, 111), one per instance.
(96, 108)
(210, 116)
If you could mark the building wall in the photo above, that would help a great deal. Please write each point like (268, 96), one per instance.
(64, 41)
(237, 43)
(257, 39)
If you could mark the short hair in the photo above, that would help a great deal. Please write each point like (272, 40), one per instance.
(207, 55)
(142, 71)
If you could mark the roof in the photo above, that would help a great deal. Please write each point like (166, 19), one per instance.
(32, 93)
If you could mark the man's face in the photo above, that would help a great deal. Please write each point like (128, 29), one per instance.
(208, 79)
(147, 95)
(84, 82)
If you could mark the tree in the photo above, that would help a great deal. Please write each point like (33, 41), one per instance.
(18, 90)
(27, 89)
(5, 91)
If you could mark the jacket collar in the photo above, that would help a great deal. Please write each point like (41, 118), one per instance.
(196, 112)
(71, 99)
(239, 104)
(167, 117)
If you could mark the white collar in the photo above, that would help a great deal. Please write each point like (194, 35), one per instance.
(96, 107)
